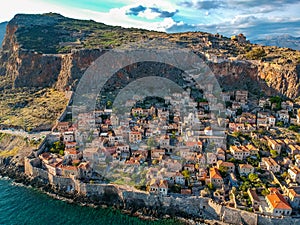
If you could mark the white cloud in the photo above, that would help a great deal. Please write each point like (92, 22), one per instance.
(11, 7)
(149, 14)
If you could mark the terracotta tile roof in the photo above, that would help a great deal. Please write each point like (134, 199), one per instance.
(74, 168)
(135, 132)
(71, 151)
(163, 184)
(84, 165)
(277, 201)
(158, 183)
(214, 173)
(295, 170)
(225, 164)
(270, 161)
(248, 166)
(193, 143)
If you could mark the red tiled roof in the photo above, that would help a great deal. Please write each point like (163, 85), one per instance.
(214, 173)
(277, 201)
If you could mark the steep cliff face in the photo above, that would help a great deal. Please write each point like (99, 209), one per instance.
(271, 78)
(73, 66)
(28, 68)
(51, 51)
(281, 78)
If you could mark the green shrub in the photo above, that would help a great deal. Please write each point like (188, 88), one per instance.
(256, 54)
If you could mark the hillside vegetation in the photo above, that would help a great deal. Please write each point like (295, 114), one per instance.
(12, 146)
(31, 108)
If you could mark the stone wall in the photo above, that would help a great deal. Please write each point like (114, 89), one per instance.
(235, 216)
(266, 220)
(127, 197)
(62, 183)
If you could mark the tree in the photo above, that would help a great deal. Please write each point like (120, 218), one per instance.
(279, 124)
(233, 160)
(108, 104)
(257, 53)
(284, 174)
(252, 161)
(151, 143)
(236, 134)
(239, 111)
(175, 188)
(294, 128)
(265, 192)
(252, 177)
(210, 186)
(186, 174)
(274, 153)
(173, 136)
(223, 170)
(154, 161)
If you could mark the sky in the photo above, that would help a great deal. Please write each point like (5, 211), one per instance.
(254, 18)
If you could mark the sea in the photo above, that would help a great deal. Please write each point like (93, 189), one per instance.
(25, 205)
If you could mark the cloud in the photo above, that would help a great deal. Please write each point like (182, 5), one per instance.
(241, 6)
(205, 5)
(136, 10)
(151, 12)
(253, 27)
(259, 3)
(164, 14)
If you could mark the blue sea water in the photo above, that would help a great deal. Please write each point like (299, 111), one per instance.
(23, 205)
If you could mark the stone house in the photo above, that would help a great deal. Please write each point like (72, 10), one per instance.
(283, 115)
(158, 187)
(245, 169)
(85, 170)
(275, 145)
(62, 126)
(69, 136)
(239, 152)
(228, 165)
(135, 136)
(271, 164)
(70, 145)
(277, 204)
(137, 111)
(215, 177)
(157, 154)
(69, 171)
(179, 178)
(73, 154)
(294, 197)
(211, 158)
(189, 167)
(294, 173)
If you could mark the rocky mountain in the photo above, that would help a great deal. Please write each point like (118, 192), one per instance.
(50, 50)
(285, 41)
(2, 30)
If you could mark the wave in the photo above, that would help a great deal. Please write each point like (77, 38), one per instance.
(4, 178)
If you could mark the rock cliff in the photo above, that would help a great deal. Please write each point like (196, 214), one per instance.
(53, 51)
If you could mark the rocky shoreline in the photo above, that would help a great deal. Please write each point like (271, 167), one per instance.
(16, 173)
